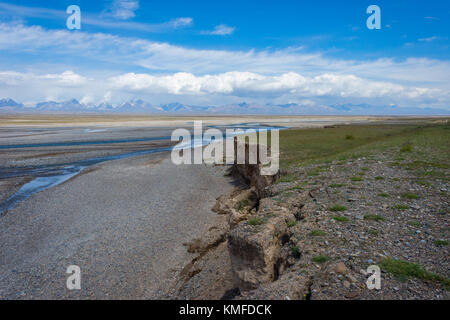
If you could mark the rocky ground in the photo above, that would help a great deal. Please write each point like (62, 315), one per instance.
(362, 212)
(314, 232)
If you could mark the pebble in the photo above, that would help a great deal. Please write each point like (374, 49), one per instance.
(340, 268)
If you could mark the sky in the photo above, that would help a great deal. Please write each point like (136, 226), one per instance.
(313, 53)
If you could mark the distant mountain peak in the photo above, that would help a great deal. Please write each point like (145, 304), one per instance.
(8, 102)
(243, 108)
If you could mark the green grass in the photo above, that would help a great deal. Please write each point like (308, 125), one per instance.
(320, 259)
(248, 202)
(374, 217)
(357, 179)
(406, 148)
(340, 218)
(313, 173)
(337, 208)
(288, 178)
(291, 223)
(379, 178)
(374, 232)
(349, 137)
(384, 195)
(414, 223)
(409, 195)
(305, 146)
(242, 204)
(317, 233)
(256, 221)
(401, 207)
(404, 270)
(441, 242)
(296, 252)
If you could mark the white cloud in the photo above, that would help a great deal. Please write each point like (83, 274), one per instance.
(432, 18)
(243, 83)
(285, 87)
(430, 39)
(221, 30)
(123, 9)
(165, 57)
(176, 73)
(181, 22)
(119, 15)
(67, 78)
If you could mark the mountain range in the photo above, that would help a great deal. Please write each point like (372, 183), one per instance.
(137, 106)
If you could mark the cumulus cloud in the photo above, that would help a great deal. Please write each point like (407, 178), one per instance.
(67, 78)
(294, 84)
(289, 86)
(221, 30)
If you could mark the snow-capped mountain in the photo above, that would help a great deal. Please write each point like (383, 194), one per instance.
(9, 103)
(137, 106)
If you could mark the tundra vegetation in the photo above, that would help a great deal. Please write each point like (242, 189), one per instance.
(380, 197)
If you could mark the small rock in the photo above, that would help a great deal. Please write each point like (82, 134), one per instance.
(351, 295)
(347, 284)
(351, 278)
(340, 268)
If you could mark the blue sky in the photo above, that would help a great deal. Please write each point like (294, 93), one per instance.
(218, 52)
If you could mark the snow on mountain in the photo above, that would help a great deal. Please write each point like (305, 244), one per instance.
(4, 103)
(142, 107)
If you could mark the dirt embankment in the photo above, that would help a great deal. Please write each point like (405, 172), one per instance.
(250, 246)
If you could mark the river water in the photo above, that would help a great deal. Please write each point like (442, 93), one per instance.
(51, 175)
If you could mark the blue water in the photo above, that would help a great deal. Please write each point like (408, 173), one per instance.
(48, 176)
